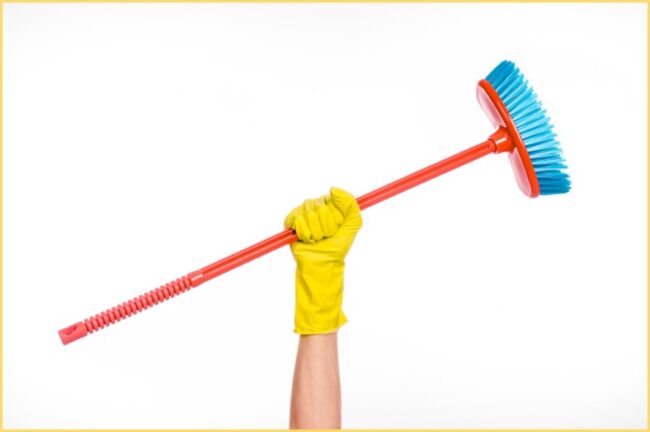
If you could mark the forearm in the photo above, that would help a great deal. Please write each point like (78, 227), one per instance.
(326, 228)
(316, 393)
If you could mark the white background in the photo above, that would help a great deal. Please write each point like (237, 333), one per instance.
(142, 142)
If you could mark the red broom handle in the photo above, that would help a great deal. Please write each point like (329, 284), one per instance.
(196, 278)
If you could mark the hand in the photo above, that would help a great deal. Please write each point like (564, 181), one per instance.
(326, 228)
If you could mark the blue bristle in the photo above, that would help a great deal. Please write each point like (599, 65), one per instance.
(533, 126)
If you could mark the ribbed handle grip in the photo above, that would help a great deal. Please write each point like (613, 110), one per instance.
(158, 295)
(124, 310)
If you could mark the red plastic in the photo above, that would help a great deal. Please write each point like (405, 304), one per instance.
(195, 278)
(426, 174)
(517, 153)
(124, 310)
(505, 139)
(73, 332)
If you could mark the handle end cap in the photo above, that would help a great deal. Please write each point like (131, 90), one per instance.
(72, 333)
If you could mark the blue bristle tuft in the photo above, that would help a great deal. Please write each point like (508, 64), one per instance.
(533, 126)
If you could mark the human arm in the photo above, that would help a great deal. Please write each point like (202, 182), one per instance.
(326, 228)
(316, 393)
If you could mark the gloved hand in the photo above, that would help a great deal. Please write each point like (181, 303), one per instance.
(326, 228)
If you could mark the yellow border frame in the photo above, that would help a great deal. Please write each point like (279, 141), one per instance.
(647, 2)
(323, 1)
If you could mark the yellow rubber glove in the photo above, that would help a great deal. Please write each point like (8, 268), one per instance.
(326, 228)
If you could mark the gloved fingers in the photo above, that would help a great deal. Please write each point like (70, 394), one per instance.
(349, 208)
(290, 219)
(301, 226)
(314, 225)
(327, 220)
(322, 217)
(305, 220)
(335, 212)
(345, 202)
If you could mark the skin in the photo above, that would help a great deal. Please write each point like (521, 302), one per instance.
(316, 393)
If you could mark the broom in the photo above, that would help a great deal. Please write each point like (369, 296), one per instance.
(523, 131)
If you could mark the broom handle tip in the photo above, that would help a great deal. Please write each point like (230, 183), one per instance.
(73, 332)
(283, 238)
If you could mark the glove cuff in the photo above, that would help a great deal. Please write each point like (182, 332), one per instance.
(319, 296)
